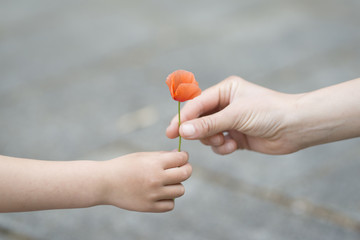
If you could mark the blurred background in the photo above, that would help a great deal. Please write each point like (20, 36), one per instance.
(86, 80)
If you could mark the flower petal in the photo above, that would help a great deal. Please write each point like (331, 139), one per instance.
(183, 76)
(178, 77)
(186, 91)
(175, 82)
(170, 83)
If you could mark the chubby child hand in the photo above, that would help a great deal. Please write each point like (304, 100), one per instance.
(145, 182)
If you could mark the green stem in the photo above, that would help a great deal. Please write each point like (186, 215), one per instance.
(179, 148)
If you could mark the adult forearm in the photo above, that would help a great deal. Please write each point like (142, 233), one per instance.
(327, 115)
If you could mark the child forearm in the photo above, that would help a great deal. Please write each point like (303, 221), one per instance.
(28, 185)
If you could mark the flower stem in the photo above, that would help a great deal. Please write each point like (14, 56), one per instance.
(179, 148)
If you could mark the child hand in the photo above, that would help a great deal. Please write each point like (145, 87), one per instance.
(146, 182)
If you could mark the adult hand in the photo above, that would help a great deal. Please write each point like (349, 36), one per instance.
(236, 114)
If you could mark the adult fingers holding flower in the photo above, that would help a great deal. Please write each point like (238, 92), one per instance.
(237, 114)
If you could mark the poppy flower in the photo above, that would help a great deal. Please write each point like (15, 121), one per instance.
(182, 85)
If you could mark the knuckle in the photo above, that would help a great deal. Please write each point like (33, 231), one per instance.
(153, 182)
(208, 124)
(216, 140)
(205, 141)
(232, 79)
(153, 197)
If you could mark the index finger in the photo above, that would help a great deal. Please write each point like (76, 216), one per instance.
(207, 102)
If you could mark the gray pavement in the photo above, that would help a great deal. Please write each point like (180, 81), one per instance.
(74, 73)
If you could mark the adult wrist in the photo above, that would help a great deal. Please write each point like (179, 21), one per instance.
(316, 121)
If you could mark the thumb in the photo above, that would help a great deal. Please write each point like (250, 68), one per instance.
(208, 125)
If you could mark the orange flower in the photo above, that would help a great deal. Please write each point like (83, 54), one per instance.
(182, 85)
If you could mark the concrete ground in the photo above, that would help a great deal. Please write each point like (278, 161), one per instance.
(76, 77)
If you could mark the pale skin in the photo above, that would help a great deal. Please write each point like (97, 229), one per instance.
(236, 114)
(145, 182)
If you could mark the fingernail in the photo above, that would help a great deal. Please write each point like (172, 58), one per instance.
(188, 130)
